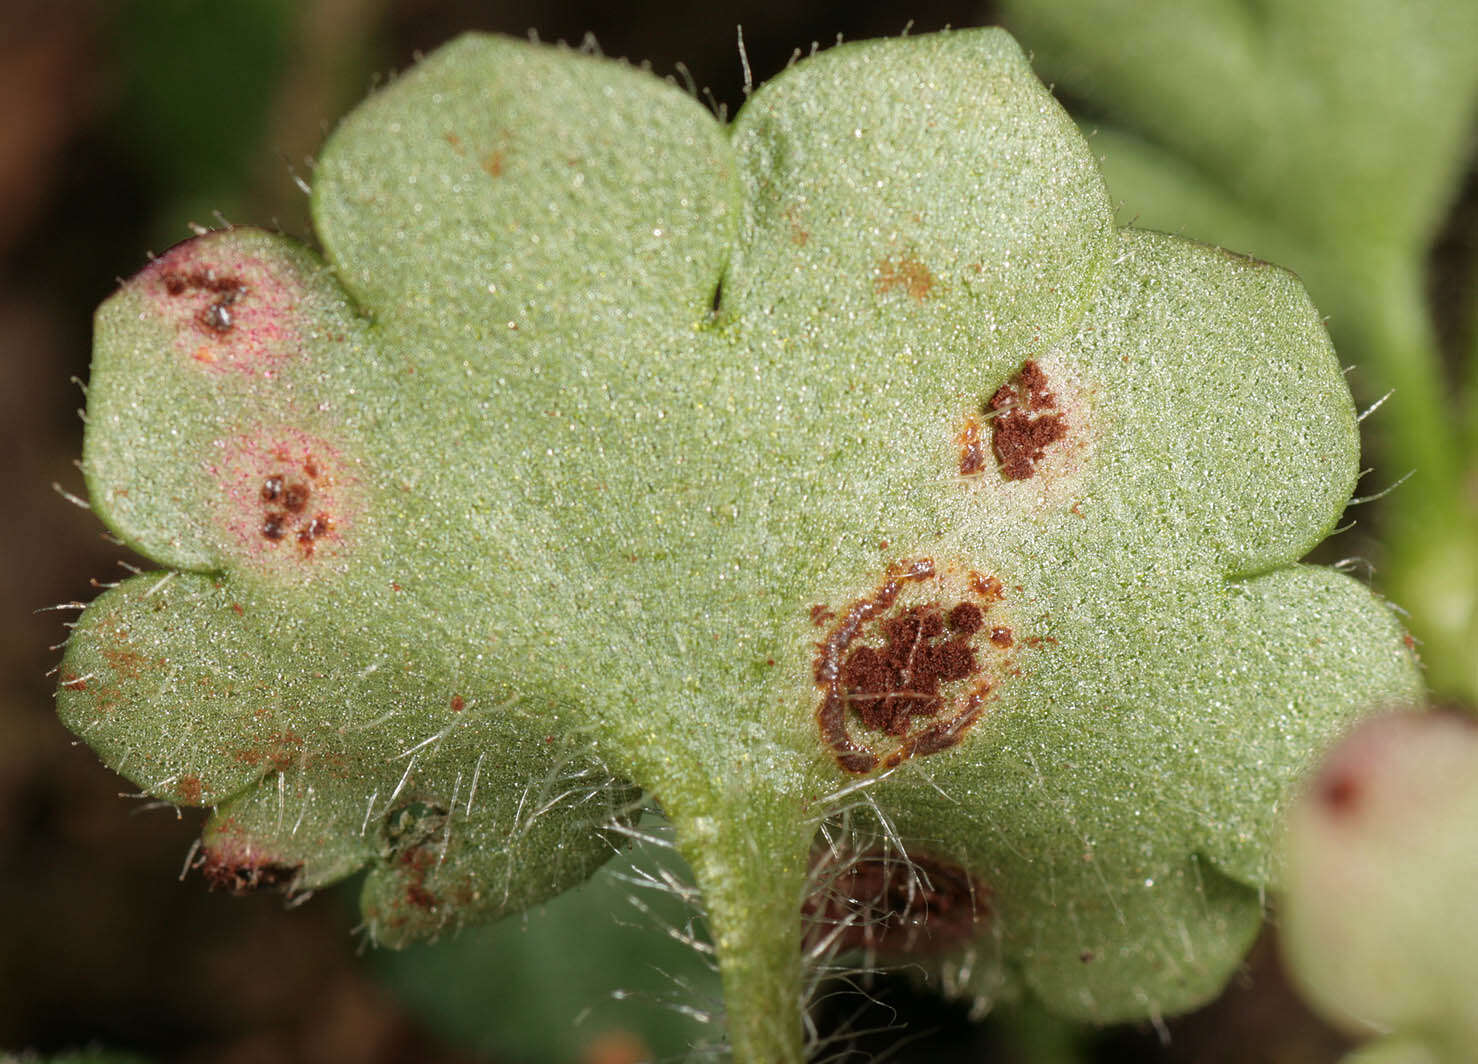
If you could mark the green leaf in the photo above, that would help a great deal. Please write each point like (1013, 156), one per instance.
(1330, 137)
(842, 480)
(606, 957)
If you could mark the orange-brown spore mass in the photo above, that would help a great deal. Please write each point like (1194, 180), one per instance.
(904, 274)
(891, 685)
(1027, 421)
(911, 670)
(972, 448)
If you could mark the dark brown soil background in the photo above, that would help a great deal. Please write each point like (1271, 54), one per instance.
(120, 122)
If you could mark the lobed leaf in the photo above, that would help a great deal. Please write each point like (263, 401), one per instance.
(957, 499)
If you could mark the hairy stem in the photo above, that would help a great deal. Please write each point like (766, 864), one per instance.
(749, 857)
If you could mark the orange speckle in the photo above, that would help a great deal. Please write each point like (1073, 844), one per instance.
(972, 448)
(615, 1047)
(904, 274)
(188, 790)
(799, 235)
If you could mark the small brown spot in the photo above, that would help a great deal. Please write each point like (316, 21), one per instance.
(274, 527)
(295, 498)
(73, 682)
(1027, 421)
(310, 467)
(236, 607)
(820, 614)
(272, 488)
(1340, 791)
(987, 587)
(1001, 637)
(882, 544)
(458, 703)
(894, 905)
(770, 661)
(1086, 956)
(317, 528)
(492, 163)
(904, 274)
(972, 448)
(420, 897)
(1410, 641)
(454, 140)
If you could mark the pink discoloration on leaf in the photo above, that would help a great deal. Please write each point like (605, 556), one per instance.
(233, 860)
(228, 311)
(285, 495)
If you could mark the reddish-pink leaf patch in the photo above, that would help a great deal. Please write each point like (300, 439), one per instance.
(228, 310)
(284, 494)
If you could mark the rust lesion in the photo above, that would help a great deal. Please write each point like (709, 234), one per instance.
(970, 441)
(800, 236)
(234, 862)
(286, 495)
(283, 494)
(907, 670)
(1026, 421)
(248, 876)
(892, 904)
(229, 303)
(221, 291)
(903, 273)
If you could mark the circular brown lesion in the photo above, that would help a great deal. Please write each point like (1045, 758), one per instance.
(906, 670)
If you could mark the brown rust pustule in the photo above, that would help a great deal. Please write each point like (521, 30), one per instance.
(1027, 421)
(888, 904)
(246, 875)
(972, 448)
(913, 672)
(221, 292)
(285, 498)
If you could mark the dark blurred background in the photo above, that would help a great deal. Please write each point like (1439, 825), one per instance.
(122, 124)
